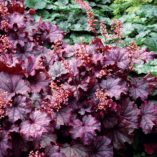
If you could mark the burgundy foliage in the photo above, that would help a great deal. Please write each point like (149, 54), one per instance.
(60, 100)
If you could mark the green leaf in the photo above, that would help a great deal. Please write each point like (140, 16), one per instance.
(150, 67)
(30, 3)
(36, 4)
(44, 13)
(63, 1)
(151, 43)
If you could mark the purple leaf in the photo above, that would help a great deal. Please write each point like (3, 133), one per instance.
(38, 82)
(74, 64)
(61, 100)
(139, 88)
(83, 111)
(13, 84)
(141, 55)
(62, 117)
(57, 69)
(54, 151)
(19, 109)
(113, 87)
(85, 129)
(17, 20)
(101, 147)
(130, 115)
(75, 150)
(47, 139)
(119, 57)
(50, 32)
(70, 50)
(28, 66)
(120, 136)
(36, 126)
(148, 117)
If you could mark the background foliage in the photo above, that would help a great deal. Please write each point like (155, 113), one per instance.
(69, 17)
(139, 19)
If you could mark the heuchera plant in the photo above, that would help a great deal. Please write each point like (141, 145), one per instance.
(59, 100)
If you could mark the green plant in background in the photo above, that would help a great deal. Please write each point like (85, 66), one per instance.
(128, 6)
(139, 18)
(140, 24)
(150, 67)
(69, 17)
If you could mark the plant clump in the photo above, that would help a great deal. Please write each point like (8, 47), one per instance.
(60, 100)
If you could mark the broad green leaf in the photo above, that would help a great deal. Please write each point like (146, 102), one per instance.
(151, 43)
(36, 4)
(150, 67)
(63, 1)
(30, 3)
(44, 13)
